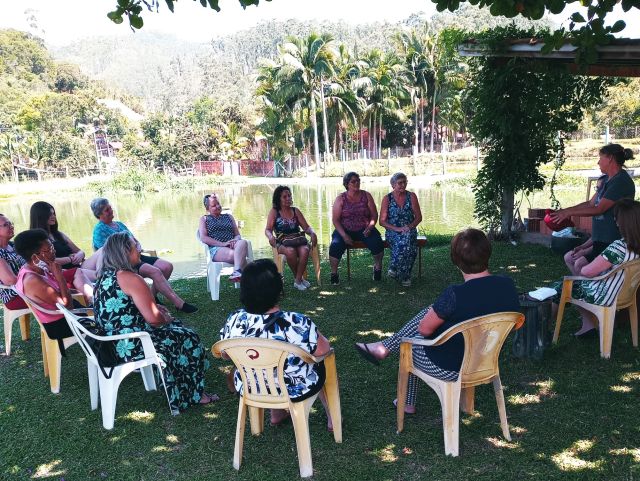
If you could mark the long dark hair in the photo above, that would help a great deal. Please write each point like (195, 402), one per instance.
(627, 214)
(39, 219)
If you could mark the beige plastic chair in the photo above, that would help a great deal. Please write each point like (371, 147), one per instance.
(260, 363)
(280, 261)
(483, 339)
(107, 387)
(10, 315)
(51, 357)
(626, 299)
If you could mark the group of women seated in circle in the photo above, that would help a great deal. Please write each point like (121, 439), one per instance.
(44, 264)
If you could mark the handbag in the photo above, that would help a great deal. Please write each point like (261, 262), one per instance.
(105, 351)
(292, 240)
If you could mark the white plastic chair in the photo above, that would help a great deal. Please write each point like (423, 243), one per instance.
(107, 388)
(215, 269)
(10, 315)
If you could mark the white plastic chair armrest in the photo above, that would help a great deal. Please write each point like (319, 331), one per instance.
(597, 278)
(422, 342)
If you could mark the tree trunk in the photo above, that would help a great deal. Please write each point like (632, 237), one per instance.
(415, 141)
(421, 125)
(433, 114)
(508, 196)
(375, 137)
(325, 129)
(380, 137)
(314, 123)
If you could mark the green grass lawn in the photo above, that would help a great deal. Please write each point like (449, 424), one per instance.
(572, 415)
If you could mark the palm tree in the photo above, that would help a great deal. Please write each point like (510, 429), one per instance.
(305, 62)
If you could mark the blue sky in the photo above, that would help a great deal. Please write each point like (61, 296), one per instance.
(66, 20)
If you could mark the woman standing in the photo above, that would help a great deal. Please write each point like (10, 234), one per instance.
(284, 221)
(617, 185)
(220, 232)
(400, 215)
(43, 216)
(354, 217)
(123, 304)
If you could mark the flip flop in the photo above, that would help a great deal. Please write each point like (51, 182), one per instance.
(212, 398)
(367, 355)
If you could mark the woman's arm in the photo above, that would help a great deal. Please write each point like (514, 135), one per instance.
(134, 286)
(210, 241)
(596, 267)
(42, 293)
(306, 227)
(429, 323)
(584, 209)
(417, 212)
(336, 213)
(268, 230)
(323, 346)
(373, 214)
(384, 215)
(77, 254)
(7, 277)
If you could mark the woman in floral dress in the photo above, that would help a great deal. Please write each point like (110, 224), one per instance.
(400, 215)
(123, 303)
(604, 292)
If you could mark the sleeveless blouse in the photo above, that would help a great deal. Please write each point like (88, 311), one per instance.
(286, 226)
(400, 216)
(48, 277)
(220, 228)
(62, 250)
(355, 216)
(15, 262)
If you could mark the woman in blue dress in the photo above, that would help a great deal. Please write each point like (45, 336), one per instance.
(123, 303)
(400, 215)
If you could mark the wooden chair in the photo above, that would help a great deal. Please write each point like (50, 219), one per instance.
(625, 299)
(280, 261)
(10, 315)
(215, 269)
(51, 356)
(483, 339)
(107, 387)
(257, 360)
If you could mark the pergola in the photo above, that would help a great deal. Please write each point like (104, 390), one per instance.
(621, 58)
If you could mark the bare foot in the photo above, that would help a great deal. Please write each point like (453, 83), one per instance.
(278, 416)
(376, 349)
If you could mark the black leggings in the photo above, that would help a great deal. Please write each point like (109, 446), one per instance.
(58, 330)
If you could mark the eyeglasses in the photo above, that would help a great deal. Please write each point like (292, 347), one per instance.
(7, 224)
(48, 248)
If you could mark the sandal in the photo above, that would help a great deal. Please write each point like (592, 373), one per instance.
(367, 355)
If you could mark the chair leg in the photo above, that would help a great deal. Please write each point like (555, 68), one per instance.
(256, 420)
(332, 393)
(564, 297)
(315, 257)
(406, 363)
(43, 347)
(300, 417)
(54, 364)
(467, 399)
(94, 385)
(607, 320)
(8, 325)
(147, 378)
(109, 398)
(633, 321)
(502, 410)
(25, 327)
(214, 280)
(242, 419)
(450, 401)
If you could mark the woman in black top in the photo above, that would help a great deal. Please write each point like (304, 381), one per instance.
(481, 293)
(43, 216)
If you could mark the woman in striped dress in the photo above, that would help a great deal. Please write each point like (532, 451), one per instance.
(604, 292)
(220, 232)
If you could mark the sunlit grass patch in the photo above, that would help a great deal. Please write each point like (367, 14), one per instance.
(633, 452)
(387, 454)
(375, 332)
(48, 470)
(502, 443)
(569, 460)
(621, 389)
(630, 376)
(144, 417)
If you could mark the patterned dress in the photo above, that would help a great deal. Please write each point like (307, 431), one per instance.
(604, 292)
(15, 262)
(178, 346)
(302, 379)
(404, 245)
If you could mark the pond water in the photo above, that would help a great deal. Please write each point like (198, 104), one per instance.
(168, 221)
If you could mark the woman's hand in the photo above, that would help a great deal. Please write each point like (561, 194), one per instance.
(272, 241)
(367, 231)
(314, 239)
(165, 312)
(232, 243)
(77, 258)
(347, 240)
(559, 215)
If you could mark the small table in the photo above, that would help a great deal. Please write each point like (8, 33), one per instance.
(534, 336)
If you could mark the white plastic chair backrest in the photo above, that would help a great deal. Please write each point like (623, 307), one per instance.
(80, 331)
(483, 339)
(631, 282)
(260, 363)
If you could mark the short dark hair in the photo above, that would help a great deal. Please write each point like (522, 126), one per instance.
(275, 200)
(618, 152)
(627, 214)
(260, 286)
(347, 178)
(205, 200)
(39, 218)
(29, 242)
(470, 251)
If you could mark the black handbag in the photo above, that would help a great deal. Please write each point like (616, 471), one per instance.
(105, 351)
(292, 240)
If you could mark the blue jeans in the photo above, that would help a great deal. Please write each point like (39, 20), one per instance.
(373, 242)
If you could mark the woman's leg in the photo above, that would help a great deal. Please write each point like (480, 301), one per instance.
(374, 243)
(94, 262)
(165, 267)
(589, 321)
(240, 254)
(291, 255)
(161, 284)
(82, 284)
(302, 253)
(336, 250)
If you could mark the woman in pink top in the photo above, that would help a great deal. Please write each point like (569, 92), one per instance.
(44, 282)
(354, 218)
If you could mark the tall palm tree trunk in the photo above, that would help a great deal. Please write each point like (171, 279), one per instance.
(433, 115)
(327, 145)
(314, 123)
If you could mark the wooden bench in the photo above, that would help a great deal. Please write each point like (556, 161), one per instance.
(422, 243)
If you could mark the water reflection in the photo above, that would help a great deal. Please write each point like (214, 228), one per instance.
(168, 221)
